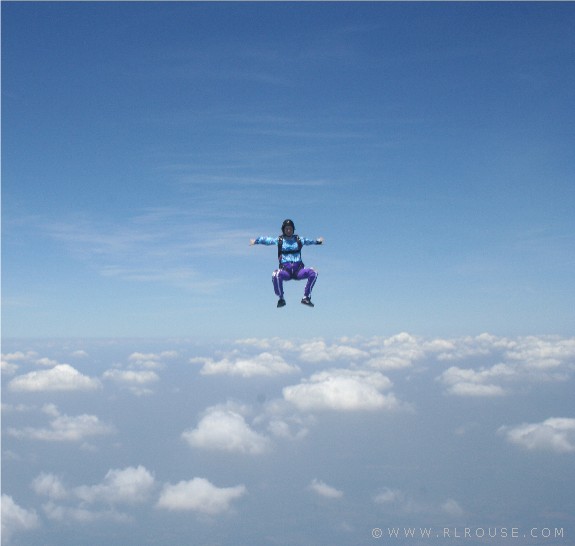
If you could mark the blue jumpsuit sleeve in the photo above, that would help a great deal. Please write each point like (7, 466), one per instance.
(266, 241)
(305, 241)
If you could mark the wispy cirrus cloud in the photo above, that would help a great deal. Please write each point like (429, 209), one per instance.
(234, 180)
(158, 245)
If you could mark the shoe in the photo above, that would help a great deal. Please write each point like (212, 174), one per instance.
(307, 301)
(281, 302)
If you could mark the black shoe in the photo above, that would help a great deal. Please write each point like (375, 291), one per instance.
(281, 302)
(307, 301)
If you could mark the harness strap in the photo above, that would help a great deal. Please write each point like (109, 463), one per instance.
(280, 247)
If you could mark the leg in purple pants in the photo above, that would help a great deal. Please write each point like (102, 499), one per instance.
(296, 272)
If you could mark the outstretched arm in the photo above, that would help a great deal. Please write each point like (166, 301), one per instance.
(264, 241)
(318, 241)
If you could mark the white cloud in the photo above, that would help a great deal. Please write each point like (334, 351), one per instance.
(468, 382)
(136, 381)
(49, 485)
(475, 390)
(266, 344)
(64, 428)
(143, 357)
(264, 364)
(543, 353)
(20, 356)
(131, 377)
(80, 514)
(319, 351)
(342, 390)
(470, 347)
(532, 358)
(324, 490)
(126, 486)
(8, 367)
(151, 361)
(224, 429)
(399, 351)
(16, 519)
(529, 359)
(8, 361)
(556, 434)
(199, 495)
(62, 377)
(283, 428)
(47, 362)
(283, 422)
(403, 350)
(20, 408)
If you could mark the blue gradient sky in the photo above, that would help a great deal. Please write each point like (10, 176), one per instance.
(151, 391)
(144, 144)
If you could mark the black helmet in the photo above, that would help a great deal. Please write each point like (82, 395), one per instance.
(286, 223)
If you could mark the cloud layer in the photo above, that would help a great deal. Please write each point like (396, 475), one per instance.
(263, 418)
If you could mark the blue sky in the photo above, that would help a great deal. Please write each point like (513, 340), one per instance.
(144, 144)
(153, 392)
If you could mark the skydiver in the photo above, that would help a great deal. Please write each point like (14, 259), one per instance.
(290, 262)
